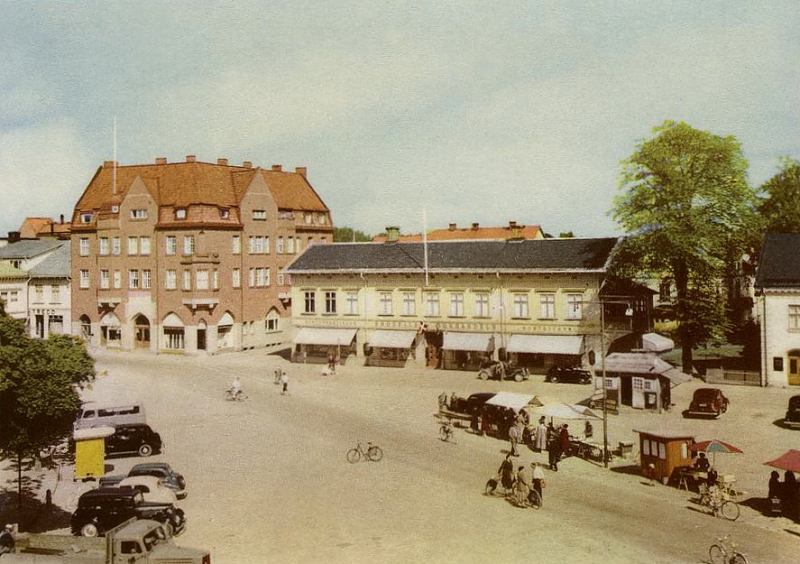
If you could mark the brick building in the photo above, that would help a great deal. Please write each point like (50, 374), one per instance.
(188, 256)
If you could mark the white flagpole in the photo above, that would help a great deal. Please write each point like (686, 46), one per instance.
(114, 169)
(425, 242)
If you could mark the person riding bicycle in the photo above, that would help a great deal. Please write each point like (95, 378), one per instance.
(447, 429)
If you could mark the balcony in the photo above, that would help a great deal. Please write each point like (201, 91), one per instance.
(108, 301)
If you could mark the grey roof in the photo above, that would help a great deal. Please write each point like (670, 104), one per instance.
(779, 266)
(534, 255)
(55, 265)
(29, 248)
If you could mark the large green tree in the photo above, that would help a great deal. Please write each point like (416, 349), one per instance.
(780, 208)
(688, 210)
(347, 235)
(40, 383)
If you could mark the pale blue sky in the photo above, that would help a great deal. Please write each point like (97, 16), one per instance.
(479, 111)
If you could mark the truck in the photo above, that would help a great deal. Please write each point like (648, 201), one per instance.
(136, 541)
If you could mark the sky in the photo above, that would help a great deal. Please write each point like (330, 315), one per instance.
(477, 112)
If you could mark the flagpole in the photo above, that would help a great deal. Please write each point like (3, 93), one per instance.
(114, 166)
(425, 242)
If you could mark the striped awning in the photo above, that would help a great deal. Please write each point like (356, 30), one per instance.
(392, 339)
(467, 341)
(546, 344)
(319, 336)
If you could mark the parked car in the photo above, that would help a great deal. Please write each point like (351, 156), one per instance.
(161, 470)
(103, 509)
(559, 373)
(152, 488)
(138, 438)
(498, 370)
(792, 418)
(708, 401)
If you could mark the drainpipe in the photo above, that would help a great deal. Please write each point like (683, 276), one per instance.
(364, 309)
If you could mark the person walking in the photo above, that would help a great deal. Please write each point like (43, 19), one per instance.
(442, 401)
(513, 437)
(284, 383)
(522, 487)
(564, 439)
(538, 479)
(506, 473)
(278, 373)
(541, 436)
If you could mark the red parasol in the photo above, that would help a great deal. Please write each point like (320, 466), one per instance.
(714, 446)
(790, 460)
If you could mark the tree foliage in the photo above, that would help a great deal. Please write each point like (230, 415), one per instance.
(347, 235)
(689, 213)
(780, 209)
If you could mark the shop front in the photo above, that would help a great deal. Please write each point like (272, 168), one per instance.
(539, 352)
(316, 344)
(466, 351)
(645, 381)
(391, 348)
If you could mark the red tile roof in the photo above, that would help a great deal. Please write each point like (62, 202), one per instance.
(466, 234)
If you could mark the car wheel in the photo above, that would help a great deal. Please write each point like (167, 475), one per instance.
(553, 379)
(724, 407)
(483, 375)
(518, 377)
(145, 450)
(89, 530)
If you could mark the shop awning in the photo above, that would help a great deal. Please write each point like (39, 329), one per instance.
(657, 343)
(514, 401)
(392, 339)
(318, 336)
(467, 341)
(546, 344)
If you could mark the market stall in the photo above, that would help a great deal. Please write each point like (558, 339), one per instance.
(663, 453)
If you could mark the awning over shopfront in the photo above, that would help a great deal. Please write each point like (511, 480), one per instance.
(392, 339)
(546, 344)
(657, 343)
(645, 364)
(319, 336)
(467, 341)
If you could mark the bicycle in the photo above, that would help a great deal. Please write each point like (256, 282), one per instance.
(533, 499)
(719, 504)
(446, 432)
(373, 453)
(719, 554)
(238, 395)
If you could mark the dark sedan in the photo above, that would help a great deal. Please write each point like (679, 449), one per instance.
(568, 374)
(136, 438)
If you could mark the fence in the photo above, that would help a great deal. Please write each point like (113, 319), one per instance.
(736, 377)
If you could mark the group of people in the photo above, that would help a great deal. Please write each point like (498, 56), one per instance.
(281, 377)
(521, 481)
(788, 492)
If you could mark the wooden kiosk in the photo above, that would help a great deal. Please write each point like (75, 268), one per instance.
(663, 452)
(90, 452)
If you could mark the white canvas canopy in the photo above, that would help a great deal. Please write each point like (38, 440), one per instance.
(513, 400)
(566, 411)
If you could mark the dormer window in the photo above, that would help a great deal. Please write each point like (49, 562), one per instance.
(225, 213)
(86, 217)
(322, 219)
(138, 214)
(260, 214)
(180, 213)
(115, 209)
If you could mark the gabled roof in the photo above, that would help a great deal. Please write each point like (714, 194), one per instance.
(550, 255)
(55, 265)
(28, 249)
(779, 266)
(32, 225)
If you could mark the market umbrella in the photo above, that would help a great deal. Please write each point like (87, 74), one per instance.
(714, 446)
(790, 460)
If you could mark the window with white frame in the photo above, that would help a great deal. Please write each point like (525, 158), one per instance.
(574, 306)
(188, 245)
(147, 279)
(39, 293)
(281, 279)
(385, 303)
(547, 305)
(180, 213)
(409, 303)
(352, 303)
(431, 304)
(271, 321)
(308, 218)
(279, 246)
(456, 304)
(260, 214)
(55, 293)
(171, 244)
(84, 279)
(252, 278)
(236, 278)
(258, 244)
(133, 279)
(262, 277)
(171, 280)
(794, 317)
(215, 279)
(144, 245)
(310, 302)
(84, 247)
(224, 213)
(116, 246)
(236, 244)
(201, 280)
(138, 214)
(133, 245)
(104, 246)
(105, 279)
(86, 217)
(330, 302)
(481, 305)
(520, 310)
(290, 245)
(117, 279)
(298, 243)
(322, 219)
(187, 279)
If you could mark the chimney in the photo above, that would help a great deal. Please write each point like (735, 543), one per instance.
(301, 170)
(13, 237)
(512, 224)
(277, 168)
(247, 164)
(222, 162)
(161, 160)
(191, 159)
(392, 234)
(452, 227)
(475, 226)
(108, 164)
(62, 219)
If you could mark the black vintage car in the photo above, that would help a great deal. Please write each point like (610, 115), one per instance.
(708, 401)
(792, 418)
(104, 508)
(560, 373)
(499, 370)
(135, 438)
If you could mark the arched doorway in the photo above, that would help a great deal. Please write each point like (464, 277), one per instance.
(86, 328)
(174, 333)
(225, 331)
(141, 327)
(794, 367)
(201, 335)
(110, 330)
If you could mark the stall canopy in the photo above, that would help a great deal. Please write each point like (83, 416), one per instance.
(392, 339)
(567, 411)
(318, 336)
(546, 344)
(644, 363)
(467, 341)
(654, 342)
(513, 400)
(790, 460)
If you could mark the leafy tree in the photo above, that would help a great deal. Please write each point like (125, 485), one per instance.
(566, 235)
(40, 383)
(689, 211)
(780, 210)
(346, 235)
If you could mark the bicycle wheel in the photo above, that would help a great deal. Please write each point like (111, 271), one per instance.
(535, 499)
(717, 554)
(353, 455)
(738, 558)
(491, 486)
(374, 453)
(730, 510)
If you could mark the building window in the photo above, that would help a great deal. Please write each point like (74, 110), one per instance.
(457, 304)
(55, 294)
(236, 278)
(84, 279)
(171, 280)
(39, 290)
(432, 305)
(188, 245)
(794, 317)
(258, 245)
(352, 303)
(236, 244)
(10, 296)
(117, 279)
(547, 303)
(180, 213)
(224, 213)
(252, 281)
(574, 306)
(116, 246)
(86, 218)
(262, 277)
(133, 279)
(290, 245)
(385, 303)
(260, 214)
(84, 246)
(481, 305)
(215, 279)
(138, 214)
(281, 279)
(147, 279)
(298, 244)
(201, 280)
(104, 247)
(310, 305)
(187, 279)
(308, 218)
(105, 280)
(323, 239)
(321, 219)
(133, 245)
(409, 303)
(279, 246)
(115, 209)
(330, 302)
(172, 244)
(174, 338)
(144, 245)
(521, 306)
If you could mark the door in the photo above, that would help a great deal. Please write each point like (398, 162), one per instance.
(637, 392)
(794, 368)
(201, 339)
(142, 328)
